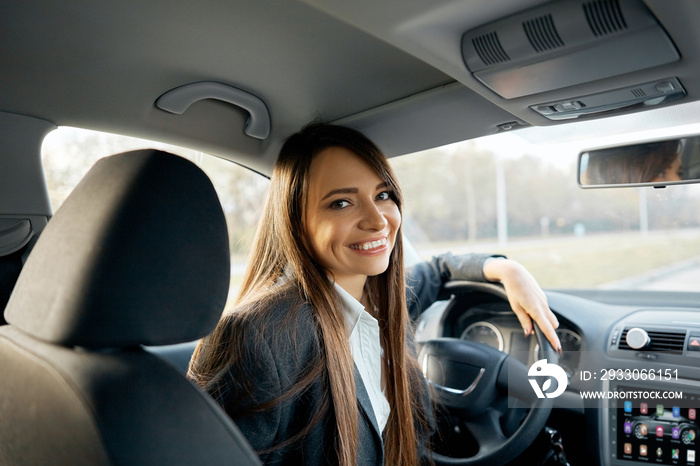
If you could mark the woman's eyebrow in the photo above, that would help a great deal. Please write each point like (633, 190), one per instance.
(340, 191)
(333, 192)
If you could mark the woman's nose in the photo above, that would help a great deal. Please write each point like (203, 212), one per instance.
(372, 218)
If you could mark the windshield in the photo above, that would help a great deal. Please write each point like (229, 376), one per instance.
(512, 193)
(517, 194)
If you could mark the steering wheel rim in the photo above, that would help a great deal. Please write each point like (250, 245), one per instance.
(494, 446)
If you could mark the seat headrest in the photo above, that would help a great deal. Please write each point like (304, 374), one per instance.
(137, 254)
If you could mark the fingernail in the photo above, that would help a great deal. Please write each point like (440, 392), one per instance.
(559, 350)
(526, 332)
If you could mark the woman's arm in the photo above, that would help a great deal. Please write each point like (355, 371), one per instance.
(424, 281)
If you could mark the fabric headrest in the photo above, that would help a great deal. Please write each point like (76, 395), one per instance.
(137, 254)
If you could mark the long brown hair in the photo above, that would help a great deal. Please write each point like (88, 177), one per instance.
(281, 247)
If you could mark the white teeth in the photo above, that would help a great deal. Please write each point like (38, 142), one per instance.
(370, 245)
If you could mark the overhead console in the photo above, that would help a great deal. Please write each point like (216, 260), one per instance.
(571, 42)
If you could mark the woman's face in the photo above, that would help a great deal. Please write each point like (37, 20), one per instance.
(350, 218)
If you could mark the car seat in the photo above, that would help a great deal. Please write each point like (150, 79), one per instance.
(137, 255)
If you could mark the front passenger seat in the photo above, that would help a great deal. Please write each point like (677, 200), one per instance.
(137, 255)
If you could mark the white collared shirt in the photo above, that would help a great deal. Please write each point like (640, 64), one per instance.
(366, 349)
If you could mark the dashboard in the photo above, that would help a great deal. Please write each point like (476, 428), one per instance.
(633, 369)
(495, 325)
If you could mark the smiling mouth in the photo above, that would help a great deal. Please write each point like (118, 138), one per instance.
(368, 246)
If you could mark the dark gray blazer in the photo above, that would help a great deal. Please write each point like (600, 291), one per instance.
(280, 350)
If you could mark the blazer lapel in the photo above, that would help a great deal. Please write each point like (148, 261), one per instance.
(367, 411)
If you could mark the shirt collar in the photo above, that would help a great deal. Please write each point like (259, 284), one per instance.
(354, 310)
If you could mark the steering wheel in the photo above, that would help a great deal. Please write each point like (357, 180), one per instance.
(473, 381)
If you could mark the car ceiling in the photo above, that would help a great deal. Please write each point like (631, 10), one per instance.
(393, 69)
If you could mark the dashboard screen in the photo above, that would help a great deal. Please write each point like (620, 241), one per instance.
(658, 431)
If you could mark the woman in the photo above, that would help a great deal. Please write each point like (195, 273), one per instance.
(316, 364)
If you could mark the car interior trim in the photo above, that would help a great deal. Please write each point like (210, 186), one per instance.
(541, 49)
(178, 100)
(26, 159)
(456, 391)
(647, 94)
(14, 233)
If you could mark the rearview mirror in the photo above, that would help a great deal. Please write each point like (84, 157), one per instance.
(655, 163)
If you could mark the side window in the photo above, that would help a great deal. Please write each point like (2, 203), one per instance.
(68, 153)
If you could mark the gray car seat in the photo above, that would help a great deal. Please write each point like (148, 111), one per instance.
(137, 255)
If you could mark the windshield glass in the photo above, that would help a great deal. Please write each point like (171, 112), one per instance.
(512, 193)
(517, 194)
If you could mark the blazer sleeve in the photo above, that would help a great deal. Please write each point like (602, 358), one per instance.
(424, 280)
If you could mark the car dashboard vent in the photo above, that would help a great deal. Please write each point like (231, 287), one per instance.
(660, 341)
(542, 34)
(604, 17)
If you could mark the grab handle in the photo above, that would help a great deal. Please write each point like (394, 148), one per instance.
(179, 99)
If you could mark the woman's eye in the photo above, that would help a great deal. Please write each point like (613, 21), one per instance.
(384, 196)
(339, 204)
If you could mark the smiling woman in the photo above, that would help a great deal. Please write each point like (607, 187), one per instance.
(317, 360)
(293, 318)
(352, 229)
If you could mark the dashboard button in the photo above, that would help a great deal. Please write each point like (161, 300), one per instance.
(694, 342)
(665, 87)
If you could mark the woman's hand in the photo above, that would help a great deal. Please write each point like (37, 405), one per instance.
(525, 296)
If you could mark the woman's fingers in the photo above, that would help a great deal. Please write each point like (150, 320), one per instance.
(544, 318)
(526, 298)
